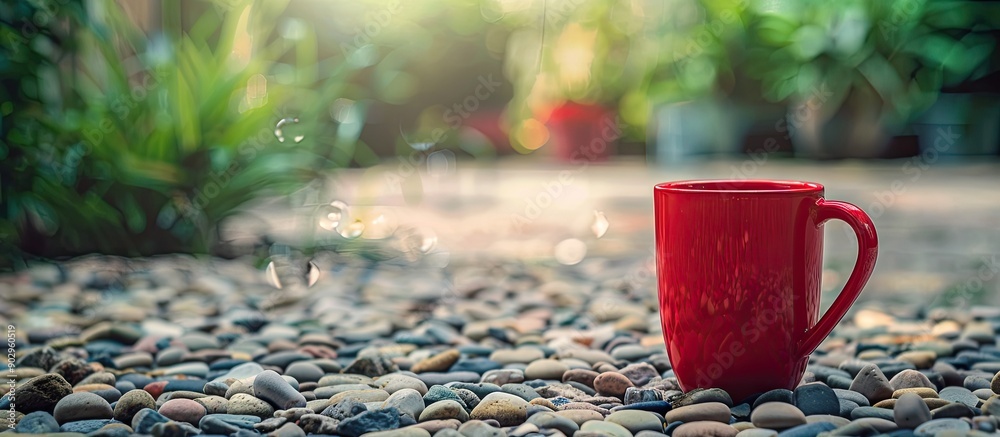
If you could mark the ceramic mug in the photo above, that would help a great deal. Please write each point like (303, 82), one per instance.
(739, 265)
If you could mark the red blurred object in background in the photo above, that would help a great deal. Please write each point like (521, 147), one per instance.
(581, 132)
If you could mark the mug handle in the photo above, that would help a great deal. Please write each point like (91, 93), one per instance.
(867, 252)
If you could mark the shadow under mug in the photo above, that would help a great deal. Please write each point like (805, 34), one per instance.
(739, 265)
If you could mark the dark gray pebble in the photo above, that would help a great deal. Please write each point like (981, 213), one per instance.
(954, 410)
(846, 407)
(436, 378)
(272, 388)
(480, 389)
(808, 430)
(816, 398)
(652, 406)
(477, 365)
(776, 395)
(520, 390)
(283, 359)
(370, 421)
(935, 426)
(838, 381)
(853, 396)
(143, 421)
(881, 413)
(960, 395)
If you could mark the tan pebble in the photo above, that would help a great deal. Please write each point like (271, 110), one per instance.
(932, 403)
(923, 392)
(777, 415)
(740, 426)
(580, 416)
(712, 411)
(543, 402)
(921, 359)
(705, 429)
(437, 363)
(872, 354)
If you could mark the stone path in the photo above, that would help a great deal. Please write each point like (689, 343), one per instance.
(179, 346)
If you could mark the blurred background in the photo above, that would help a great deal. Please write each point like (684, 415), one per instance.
(417, 131)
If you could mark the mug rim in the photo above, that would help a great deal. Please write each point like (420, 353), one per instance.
(739, 186)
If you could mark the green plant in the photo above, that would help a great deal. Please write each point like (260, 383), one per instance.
(904, 51)
(136, 144)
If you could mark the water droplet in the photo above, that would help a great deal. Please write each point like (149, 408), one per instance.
(283, 124)
(600, 225)
(415, 242)
(428, 242)
(271, 274)
(330, 216)
(344, 111)
(352, 230)
(439, 259)
(312, 274)
(570, 251)
(441, 163)
(421, 145)
(491, 10)
(380, 224)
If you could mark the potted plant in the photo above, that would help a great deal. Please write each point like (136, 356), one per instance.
(855, 73)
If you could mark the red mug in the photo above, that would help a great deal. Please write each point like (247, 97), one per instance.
(739, 266)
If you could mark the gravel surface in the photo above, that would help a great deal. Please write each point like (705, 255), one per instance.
(176, 346)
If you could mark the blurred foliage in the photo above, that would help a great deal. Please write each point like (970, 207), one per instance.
(638, 54)
(127, 143)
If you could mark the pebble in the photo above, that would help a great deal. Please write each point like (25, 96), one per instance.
(367, 422)
(553, 421)
(600, 428)
(82, 406)
(143, 421)
(479, 428)
(705, 429)
(446, 409)
(505, 408)
(777, 415)
(710, 411)
(42, 393)
(38, 422)
(580, 416)
(636, 420)
(940, 426)
(612, 384)
(876, 412)
(776, 395)
(183, 410)
(816, 398)
(959, 394)
(911, 411)
(407, 400)
(910, 379)
(583, 376)
(871, 383)
(437, 363)
(271, 387)
(304, 371)
(394, 382)
(242, 403)
(546, 369)
(519, 355)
